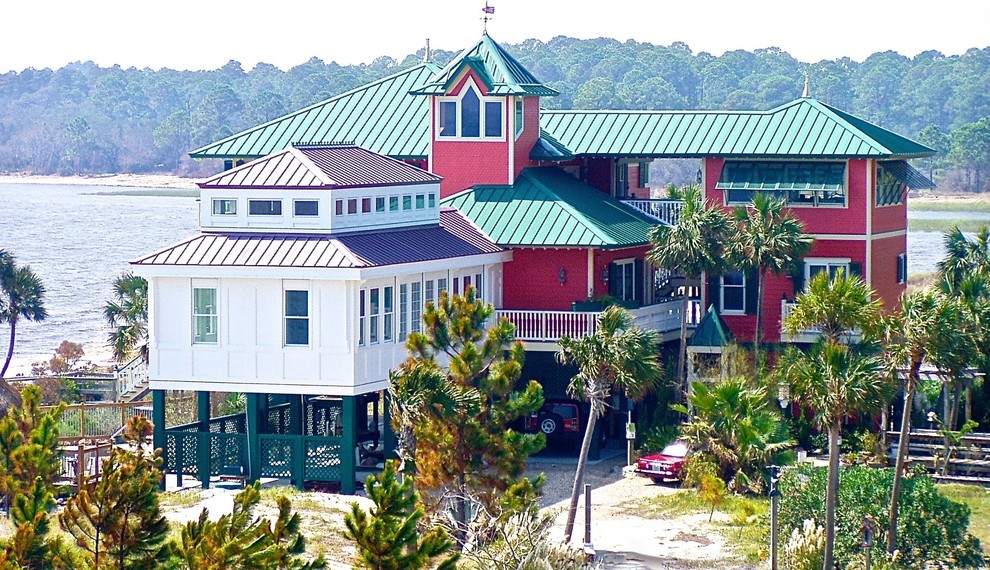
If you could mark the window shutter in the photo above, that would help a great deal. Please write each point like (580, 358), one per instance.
(856, 269)
(797, 276)
(614, 279)
(752, 292)
(638, 282)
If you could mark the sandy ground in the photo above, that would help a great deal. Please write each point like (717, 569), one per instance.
(138, 180)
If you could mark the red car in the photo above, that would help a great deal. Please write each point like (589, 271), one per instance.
(668, 464)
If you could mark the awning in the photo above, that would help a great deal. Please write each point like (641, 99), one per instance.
(907, 174)
(772, 175)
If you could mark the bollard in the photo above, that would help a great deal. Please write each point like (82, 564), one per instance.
(587, 515)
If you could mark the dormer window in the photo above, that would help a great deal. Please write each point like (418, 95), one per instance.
(470, 116)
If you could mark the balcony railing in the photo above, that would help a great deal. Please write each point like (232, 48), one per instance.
(548, 326)
(809, 334)
(666, 211)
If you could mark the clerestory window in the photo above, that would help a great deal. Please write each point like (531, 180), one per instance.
(470, 116)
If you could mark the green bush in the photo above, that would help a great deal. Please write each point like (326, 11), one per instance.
(931, 529)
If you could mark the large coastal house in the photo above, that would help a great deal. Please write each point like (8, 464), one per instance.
(309, 252)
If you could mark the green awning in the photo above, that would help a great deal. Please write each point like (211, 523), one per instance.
(773, 175)
(712, 332)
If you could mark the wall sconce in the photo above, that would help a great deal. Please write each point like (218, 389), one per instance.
(697, 176)
(605, 275)
(562, 276)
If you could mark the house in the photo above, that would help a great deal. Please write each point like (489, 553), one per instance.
(563, 198)
(311, 267)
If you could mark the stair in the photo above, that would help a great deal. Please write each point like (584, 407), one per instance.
(132, 381)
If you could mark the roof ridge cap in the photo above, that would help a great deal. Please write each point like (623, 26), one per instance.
(316, 170)
(245, 166)
(837, 115)
(469, 221)
(354, 258)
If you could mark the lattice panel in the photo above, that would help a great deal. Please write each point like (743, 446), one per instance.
(321, 419)
(229, 424)
(322, 460)
(276, 457)
(188, 443)
(226, 450)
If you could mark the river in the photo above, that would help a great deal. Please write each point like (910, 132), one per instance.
(78, 238)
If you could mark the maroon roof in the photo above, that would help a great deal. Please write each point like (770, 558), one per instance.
(455, 237)
(321, 166)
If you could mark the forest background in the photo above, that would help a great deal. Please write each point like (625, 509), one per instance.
(86, 119)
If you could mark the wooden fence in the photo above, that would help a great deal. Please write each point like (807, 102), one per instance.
(968, 462)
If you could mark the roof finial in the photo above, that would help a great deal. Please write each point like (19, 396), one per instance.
(426, 55)
(488, 10)
(807, 85)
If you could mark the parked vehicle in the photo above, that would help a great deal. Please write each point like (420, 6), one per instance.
(668, 464)
(559, 420)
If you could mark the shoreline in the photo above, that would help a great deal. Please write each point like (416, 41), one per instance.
(170, 181)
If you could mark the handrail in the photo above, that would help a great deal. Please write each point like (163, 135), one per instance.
(666, 211)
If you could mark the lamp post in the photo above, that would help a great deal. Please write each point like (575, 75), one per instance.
(774, 507)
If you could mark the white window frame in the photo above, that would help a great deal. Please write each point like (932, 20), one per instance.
(631, 263)
(286, 317)
(295, 202)
(721, 294)
(218, 201)
(214, 317)
(482, 99)
(828, 262)
(520, 117)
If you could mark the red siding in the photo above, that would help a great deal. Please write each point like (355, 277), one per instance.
(635, 190)
(467, 163)
(531, 132)
(887, 218)
(598, 173)
(532, 279)
(885, 252)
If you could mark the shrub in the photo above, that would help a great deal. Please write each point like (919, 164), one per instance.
(932, 529)
(805, 548)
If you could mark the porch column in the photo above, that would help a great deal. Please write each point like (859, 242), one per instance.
(348, 443)
(253, 430)
(389, 442)
(298, 442)
(158, 435)
(203, 443)
(296, 414)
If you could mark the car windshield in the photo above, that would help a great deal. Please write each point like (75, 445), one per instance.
(676, 449)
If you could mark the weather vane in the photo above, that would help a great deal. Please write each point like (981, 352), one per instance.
(488, 10)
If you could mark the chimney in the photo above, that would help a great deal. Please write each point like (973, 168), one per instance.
(426, 56)
(807, 86)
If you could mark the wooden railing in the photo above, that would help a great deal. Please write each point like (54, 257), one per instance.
(666, 211)
(548, 326)
(81, 461)
(98, 421)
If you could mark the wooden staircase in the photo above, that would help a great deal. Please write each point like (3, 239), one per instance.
(132, 381)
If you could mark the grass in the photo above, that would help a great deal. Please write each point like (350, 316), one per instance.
(966, 225)
(978, 499)
(180, 499)
(747, 527)
(961, 204)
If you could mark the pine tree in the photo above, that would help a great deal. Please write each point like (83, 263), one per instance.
(467, 452)
(28, 445)
(116, 519)
(387, 537)
(29, 548)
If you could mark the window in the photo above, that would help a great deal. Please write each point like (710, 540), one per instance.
(428, 294)
(365, 205)
(470, 116)
(420, 201)
(352, 206)
(902, 268)
(224, 207)
(519, 116)
(306, 207)
(403, 308)
(338, 208)
(477, 284)
(265, 207)
(204, 315)
(296, 318)
(799, 183)
(467, 283)
(644, 174)
(890, 188)
(393, 204)
(380, 204)
(457, 285)
(387, 314)
(733, 292)
(432, 202)
(362, 311)
(621, 180)
(407, 202)
(374, 298)
(441, 286)
(813, 267)
(622, 280)
(416, 306)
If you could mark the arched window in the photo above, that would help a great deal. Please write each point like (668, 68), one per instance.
(470, 116)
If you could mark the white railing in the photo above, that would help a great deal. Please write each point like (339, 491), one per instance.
(548, 326)
(131, 377)
(808, 334)
(666, 211)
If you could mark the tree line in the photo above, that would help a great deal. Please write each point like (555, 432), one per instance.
(87, 119)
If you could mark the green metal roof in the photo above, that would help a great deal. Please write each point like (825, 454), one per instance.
(548, 148)
(804, 128)
(547, 207)
(379, 116)
(711, 331)
(501, 73)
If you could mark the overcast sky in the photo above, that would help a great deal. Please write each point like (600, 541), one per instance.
(205, 34)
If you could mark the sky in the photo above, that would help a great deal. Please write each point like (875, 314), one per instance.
(205, 34)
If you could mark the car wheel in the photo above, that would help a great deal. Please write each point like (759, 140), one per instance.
(550, 424)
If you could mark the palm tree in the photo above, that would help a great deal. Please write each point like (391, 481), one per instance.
(930, 327)
(835, 306)
(696, 244)
(836, 382)
(964, 257)
(25, 298)
(768, 240)
(127, 314)
(618, 356)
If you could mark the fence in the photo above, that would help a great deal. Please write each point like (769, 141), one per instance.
(99, 421)
(968, 462)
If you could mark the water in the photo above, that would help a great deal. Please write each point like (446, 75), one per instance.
(77, 242)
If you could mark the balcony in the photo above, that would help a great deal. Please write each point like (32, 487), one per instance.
(664, 211)
(809, 335)
(549, 326)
